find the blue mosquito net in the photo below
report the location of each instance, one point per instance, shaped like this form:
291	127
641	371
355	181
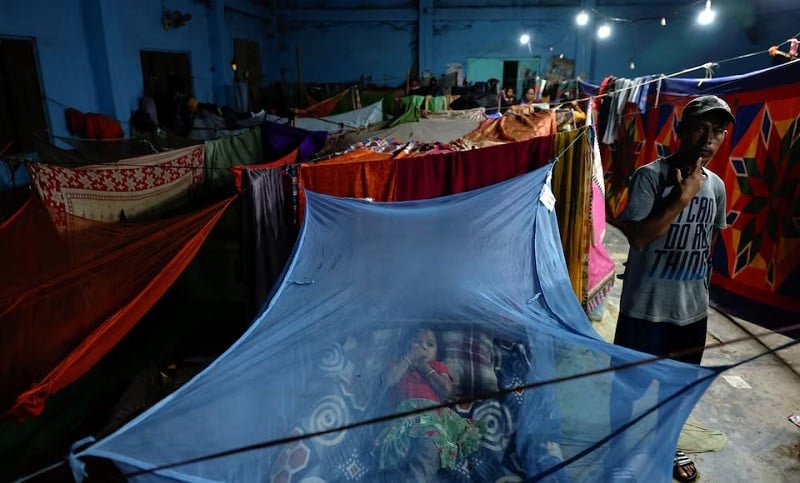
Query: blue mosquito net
308	393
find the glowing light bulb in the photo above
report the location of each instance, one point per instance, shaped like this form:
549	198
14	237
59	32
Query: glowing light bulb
663	21
604	31
706	16
524	39
633	64
582	18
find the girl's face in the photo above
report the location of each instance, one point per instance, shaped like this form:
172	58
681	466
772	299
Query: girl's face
426	341
530	95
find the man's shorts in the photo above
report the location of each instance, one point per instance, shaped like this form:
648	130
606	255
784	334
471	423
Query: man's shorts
682	343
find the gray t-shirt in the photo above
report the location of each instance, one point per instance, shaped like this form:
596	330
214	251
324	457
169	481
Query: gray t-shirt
667	281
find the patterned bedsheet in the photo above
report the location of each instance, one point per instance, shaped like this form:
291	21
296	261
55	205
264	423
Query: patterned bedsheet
345	455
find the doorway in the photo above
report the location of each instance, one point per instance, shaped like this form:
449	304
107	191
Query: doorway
510	73
167	79
23	120
247	76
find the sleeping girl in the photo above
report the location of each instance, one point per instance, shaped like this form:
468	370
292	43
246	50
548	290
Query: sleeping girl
419	445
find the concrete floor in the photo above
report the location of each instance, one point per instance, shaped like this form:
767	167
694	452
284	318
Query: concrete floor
763	445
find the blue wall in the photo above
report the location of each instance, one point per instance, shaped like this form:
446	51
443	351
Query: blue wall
258	27
88	50
89	57
129	30
356	40
63	55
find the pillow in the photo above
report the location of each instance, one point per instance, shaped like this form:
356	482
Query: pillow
469	355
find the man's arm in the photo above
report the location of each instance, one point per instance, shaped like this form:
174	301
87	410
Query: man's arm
642	232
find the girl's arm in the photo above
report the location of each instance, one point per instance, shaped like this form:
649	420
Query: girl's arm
397	370
440	382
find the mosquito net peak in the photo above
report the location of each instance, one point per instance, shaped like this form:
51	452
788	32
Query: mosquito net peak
434	340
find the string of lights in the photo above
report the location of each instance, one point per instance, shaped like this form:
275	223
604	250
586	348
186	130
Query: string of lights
705	16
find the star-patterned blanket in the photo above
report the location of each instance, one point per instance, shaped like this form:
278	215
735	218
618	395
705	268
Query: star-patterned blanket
757	257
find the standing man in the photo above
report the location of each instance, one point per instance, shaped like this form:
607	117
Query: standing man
675	207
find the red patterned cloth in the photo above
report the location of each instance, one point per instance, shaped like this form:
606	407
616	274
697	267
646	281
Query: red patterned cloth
135	188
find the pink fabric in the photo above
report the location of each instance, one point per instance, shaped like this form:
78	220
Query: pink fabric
601	266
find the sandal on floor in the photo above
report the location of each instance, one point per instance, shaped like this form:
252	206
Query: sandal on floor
682	462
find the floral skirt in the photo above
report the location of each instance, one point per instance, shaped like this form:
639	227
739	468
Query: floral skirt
454	437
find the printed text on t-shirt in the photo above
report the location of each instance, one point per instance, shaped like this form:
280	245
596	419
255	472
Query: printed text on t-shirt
684	255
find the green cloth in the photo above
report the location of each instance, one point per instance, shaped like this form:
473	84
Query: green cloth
412	107
229	151
437	104
369	98
695	438
455	437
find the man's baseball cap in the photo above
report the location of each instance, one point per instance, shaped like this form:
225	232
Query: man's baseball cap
705	104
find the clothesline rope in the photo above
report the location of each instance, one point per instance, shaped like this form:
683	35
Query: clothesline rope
660	77
124	165
707	66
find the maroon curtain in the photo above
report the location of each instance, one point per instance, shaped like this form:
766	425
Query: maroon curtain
448	173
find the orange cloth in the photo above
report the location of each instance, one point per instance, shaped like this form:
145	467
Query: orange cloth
520	123
69	296
290	158
361	173
322	108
